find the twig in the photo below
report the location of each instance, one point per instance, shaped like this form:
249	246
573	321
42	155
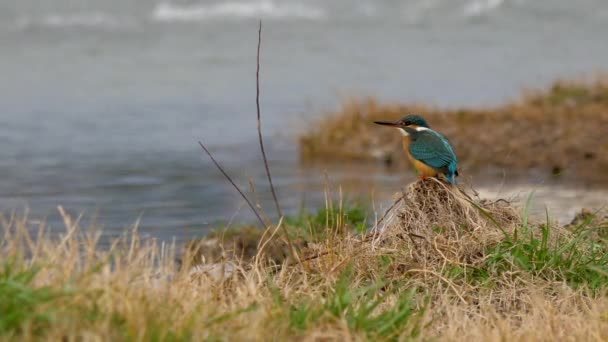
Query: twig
257	103
233	184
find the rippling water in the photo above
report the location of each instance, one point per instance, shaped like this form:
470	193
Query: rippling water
102	102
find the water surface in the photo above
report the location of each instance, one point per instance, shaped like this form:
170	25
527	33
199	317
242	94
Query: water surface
102	102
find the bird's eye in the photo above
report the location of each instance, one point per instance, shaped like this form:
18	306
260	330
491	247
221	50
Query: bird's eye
402	123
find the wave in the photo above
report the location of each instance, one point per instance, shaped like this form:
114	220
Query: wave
168	11
480	7
96	20
417	11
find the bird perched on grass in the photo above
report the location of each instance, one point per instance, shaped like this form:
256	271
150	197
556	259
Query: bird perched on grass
429	151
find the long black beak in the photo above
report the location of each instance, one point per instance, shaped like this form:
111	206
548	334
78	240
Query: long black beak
387	123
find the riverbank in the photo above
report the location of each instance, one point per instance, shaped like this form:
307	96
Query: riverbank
438	265
557	133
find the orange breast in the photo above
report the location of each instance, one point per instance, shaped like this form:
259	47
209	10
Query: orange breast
423	169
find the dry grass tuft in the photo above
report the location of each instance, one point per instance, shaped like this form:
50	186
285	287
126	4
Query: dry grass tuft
242	244
434	224
441	225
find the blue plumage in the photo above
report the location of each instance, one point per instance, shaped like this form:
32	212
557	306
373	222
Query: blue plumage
431	152
434	150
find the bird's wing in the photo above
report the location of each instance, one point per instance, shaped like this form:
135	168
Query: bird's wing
433	149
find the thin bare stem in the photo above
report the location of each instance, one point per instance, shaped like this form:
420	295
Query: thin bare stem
257	102
233	184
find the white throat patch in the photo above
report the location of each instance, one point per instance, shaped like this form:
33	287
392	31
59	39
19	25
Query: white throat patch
403	132
421	129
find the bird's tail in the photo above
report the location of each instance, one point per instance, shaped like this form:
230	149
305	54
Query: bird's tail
451	174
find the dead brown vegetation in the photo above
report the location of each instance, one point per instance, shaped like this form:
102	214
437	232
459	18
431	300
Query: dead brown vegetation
433	264
433	229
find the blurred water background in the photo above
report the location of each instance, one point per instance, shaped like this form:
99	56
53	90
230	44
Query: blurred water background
102	102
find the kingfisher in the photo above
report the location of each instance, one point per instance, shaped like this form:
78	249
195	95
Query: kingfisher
429	151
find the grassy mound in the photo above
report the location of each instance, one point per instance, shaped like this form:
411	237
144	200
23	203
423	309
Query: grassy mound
555	132
441	225
456	249
438	265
